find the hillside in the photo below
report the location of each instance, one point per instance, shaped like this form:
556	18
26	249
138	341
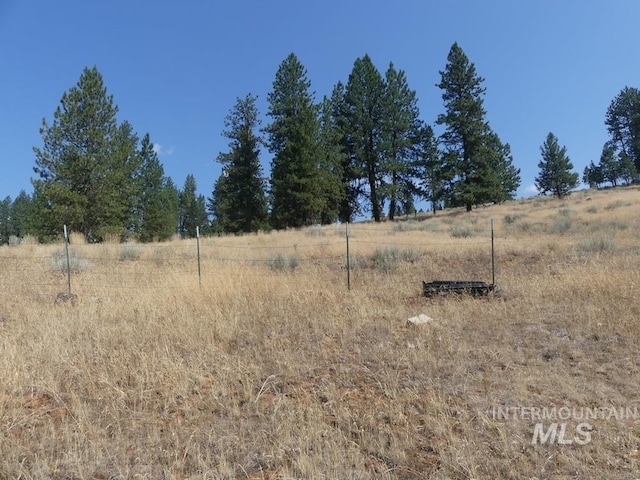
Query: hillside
267	366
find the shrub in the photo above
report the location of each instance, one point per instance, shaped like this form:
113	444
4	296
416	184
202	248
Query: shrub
356	261
130	251
597	244
511	218
282	262
77	263
416	226
616	204
314	231
561	225
386	259
592	209
461	231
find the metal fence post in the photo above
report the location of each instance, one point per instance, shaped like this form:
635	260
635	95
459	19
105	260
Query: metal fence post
198	247
348	259
66	249
493	258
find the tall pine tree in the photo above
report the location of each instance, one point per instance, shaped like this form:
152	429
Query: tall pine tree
292	137
85	166
239	203
401	131
623	124
556	170
192	209
21	210
331	157
364	116
477	164
351	184
5	219
156	209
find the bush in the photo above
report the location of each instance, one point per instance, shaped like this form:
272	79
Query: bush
592	209
387	260
511	218
283	262
616	204
597	244
461	231
561	225
416	226
130	251
77	263
356	261
314	231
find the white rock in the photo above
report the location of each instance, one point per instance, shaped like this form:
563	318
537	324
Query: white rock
420	319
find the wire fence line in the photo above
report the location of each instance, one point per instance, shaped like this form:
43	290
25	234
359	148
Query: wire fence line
131	267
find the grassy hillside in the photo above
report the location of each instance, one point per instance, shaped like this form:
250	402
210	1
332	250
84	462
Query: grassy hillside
268	367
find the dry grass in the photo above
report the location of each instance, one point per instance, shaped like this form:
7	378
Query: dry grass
262	373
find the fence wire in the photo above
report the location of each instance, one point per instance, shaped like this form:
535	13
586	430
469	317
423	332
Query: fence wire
131	267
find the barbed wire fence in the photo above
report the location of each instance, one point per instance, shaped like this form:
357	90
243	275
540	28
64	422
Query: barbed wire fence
101	269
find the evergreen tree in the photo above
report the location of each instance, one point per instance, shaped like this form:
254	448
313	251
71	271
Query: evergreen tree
170	200
239	203
292	139
330	189
5	220
351	184
623	123
21	209
627	169
592	175
428	165
502	177
475	158
609	165
155	209
192	208
401	127
556	175
364	119
85	165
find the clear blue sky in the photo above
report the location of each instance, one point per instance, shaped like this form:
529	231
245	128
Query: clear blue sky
175	69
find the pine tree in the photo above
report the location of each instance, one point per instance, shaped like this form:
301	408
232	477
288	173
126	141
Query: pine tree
556	175
627	169
292	137
502	177
155	211
592	175
351	183
401	127
475	158
364	118
192	208
623	124
610	168
5	219
20	212
239	203
85	166
330	189
428	167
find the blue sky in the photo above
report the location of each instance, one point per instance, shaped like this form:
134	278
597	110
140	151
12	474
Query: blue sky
175	69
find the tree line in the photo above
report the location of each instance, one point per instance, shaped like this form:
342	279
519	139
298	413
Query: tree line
363	148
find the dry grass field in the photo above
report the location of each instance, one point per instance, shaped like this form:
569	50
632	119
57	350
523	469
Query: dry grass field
267	367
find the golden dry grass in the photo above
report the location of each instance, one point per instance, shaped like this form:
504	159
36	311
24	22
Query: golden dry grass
269	368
